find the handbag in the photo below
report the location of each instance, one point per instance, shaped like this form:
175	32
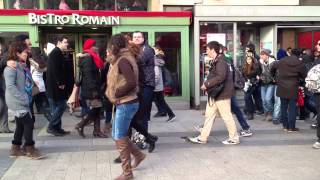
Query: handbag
215	91
35	90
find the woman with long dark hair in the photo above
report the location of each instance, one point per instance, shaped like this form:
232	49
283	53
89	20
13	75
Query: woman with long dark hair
122	91
250	71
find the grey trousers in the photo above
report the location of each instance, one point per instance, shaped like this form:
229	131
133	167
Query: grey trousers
3	114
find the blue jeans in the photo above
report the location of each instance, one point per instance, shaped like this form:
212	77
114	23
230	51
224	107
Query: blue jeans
276	108
236	110
267	93
57	108
123	117
288	113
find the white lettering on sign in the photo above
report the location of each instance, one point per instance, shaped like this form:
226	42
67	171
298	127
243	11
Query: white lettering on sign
73	19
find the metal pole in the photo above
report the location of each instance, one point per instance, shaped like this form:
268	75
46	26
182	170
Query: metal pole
235	44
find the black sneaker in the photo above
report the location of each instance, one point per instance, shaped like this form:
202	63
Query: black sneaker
171	118
63	132
276	122
160	114
54	132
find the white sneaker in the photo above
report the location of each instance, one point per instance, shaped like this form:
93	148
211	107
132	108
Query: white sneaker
230	142
196	140
316	145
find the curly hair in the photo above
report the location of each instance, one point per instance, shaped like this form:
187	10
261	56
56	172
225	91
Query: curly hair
16	47
120	41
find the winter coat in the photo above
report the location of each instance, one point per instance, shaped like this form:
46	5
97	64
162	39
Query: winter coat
252	77
159	63
290	71
147	62
56	75
115	80
90	77
221	74
16	95
266	76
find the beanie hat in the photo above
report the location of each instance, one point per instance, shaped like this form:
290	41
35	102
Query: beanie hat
88	44
265	51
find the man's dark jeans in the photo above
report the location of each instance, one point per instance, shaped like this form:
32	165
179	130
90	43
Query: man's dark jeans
24	128
146	105
57	108
162	104
236	110
288	113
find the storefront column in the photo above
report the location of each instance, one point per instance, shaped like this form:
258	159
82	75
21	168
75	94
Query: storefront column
196	87
235	44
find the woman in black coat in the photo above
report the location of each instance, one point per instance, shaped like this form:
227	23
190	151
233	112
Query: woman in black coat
250	71
90	67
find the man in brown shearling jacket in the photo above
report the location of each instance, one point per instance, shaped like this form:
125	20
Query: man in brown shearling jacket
222	103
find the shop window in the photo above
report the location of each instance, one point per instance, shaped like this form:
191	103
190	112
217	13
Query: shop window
220	32
170	43
62	4
116	5
108	5
309	2
177	8
6	38
131	5
22	4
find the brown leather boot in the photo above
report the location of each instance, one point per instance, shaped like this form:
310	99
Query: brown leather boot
124	147
80	126
96	128
16	151
33	153
137	154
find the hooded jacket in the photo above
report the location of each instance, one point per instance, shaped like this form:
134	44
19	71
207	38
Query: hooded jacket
290	71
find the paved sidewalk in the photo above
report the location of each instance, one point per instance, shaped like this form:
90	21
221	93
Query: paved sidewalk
269	154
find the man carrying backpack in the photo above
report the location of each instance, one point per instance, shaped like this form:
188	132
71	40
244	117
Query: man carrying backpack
313	84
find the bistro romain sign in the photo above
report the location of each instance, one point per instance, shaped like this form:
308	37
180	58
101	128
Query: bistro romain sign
73	19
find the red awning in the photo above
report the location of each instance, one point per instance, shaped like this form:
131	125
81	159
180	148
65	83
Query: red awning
13	12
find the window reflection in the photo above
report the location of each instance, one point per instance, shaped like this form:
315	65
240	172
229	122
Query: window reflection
170	43
23	4
6	38
62	4
116	5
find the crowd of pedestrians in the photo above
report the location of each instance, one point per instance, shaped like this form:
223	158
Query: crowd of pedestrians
123	85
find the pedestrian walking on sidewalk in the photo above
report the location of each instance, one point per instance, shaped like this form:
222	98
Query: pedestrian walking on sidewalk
90	66
159	85
56	86
19	95
220	88
122	90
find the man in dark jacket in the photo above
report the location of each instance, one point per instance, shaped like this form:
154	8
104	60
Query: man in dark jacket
219	73
290	71
56	84
147	61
